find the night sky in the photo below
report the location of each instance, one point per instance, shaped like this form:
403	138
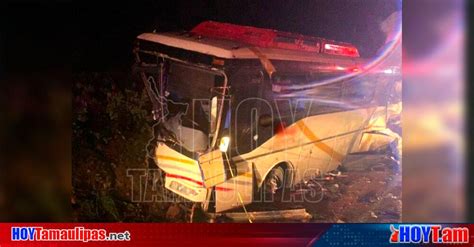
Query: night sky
105	33
42	36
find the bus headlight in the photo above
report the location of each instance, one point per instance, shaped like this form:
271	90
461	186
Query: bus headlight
224	144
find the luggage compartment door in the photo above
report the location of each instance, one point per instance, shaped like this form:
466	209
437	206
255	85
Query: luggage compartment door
213	168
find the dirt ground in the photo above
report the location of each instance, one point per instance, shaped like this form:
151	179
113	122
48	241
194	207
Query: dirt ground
363	196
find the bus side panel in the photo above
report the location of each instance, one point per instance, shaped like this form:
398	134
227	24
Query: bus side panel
313	145
235	192
183	175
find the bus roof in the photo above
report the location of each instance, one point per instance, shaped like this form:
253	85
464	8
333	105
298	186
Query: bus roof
231	49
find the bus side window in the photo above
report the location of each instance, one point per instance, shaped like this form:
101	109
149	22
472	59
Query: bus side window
248	104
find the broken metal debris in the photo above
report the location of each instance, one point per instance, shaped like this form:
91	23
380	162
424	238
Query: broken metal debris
373	215
369	162
294	215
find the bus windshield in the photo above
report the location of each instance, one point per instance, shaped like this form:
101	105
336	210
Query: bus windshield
192	102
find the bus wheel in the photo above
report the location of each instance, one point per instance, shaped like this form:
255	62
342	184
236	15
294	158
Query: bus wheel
273	184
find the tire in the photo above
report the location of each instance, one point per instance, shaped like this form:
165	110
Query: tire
272	187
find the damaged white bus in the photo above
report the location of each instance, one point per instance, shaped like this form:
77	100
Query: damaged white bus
243	112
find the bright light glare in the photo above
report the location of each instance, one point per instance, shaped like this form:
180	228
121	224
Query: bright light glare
388	71
224	144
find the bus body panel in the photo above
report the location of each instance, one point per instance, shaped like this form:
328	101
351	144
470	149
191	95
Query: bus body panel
182	174
235	192
311	142
310	148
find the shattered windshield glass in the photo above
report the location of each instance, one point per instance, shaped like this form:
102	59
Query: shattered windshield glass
190	117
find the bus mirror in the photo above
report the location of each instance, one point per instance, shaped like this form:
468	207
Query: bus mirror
265	120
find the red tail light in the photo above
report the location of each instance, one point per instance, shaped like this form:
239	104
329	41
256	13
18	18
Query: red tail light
343	50
269	38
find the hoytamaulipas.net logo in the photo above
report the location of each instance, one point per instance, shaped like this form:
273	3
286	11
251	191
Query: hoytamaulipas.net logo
435	234
75	234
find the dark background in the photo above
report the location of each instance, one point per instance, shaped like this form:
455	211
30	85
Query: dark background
39	35
44	45
104	35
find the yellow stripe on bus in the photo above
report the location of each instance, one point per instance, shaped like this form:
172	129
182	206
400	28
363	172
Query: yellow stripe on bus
319	144
183	161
